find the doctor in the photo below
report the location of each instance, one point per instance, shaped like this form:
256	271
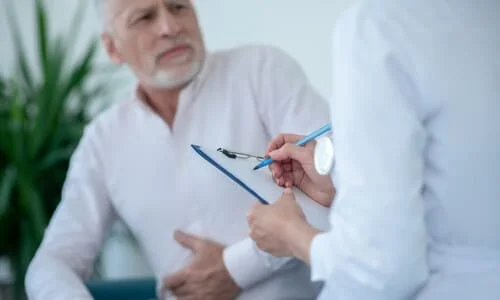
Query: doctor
417	172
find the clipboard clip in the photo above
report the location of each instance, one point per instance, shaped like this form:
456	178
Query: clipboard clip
240	155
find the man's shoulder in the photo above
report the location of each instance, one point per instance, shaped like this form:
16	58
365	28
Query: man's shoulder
254	55
111	119
257	62
253	50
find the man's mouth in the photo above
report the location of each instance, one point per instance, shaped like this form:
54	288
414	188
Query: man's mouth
175	52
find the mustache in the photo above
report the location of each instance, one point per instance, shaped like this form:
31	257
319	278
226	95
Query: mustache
172	45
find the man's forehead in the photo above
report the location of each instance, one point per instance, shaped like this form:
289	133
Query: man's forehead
122	9
137	4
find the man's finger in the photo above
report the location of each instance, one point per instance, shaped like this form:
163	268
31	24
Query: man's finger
184	290
187	297
187	240
176	280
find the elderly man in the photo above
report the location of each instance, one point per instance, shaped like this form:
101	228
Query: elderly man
134	162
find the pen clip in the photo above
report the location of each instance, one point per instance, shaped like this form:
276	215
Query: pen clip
241	155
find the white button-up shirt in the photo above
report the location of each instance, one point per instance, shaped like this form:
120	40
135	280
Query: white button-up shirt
131	165
416	115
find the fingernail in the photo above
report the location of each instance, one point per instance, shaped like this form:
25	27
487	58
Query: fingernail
288	190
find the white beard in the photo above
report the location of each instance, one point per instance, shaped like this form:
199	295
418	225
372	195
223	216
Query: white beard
171	79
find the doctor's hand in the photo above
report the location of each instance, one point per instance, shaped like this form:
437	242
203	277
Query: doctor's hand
281	228
206	277
294	165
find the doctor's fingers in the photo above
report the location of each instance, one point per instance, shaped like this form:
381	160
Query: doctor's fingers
302	155
281	140
254	212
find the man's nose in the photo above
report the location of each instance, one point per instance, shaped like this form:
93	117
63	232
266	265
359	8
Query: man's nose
168	25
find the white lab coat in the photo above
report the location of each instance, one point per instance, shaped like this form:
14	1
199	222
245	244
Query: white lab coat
416	117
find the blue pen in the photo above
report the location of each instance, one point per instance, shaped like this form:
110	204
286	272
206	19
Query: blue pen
300	142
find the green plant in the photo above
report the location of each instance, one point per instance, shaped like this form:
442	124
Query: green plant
42	117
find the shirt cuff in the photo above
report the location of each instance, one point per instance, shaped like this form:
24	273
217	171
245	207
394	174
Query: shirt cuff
248	265
321	258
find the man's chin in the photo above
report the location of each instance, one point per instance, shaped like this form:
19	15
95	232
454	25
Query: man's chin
171	80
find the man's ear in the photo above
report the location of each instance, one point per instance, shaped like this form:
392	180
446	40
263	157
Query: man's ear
110	46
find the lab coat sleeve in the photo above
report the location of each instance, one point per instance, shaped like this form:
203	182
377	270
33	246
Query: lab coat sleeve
65	258
376	248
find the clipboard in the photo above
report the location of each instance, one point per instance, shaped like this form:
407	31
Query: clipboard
260	184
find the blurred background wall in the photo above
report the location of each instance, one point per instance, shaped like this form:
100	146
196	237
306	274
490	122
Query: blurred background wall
302	28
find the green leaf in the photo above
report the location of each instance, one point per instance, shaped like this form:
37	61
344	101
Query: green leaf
6	133
53	101
2	89
42	35
87	97
55	157
17	123
74	28
31	204
76	79
29	243
21	58
68	132
7	184
41	121
56	61
82	69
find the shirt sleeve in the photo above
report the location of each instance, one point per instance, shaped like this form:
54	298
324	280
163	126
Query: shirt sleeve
65	258
287	103
376	248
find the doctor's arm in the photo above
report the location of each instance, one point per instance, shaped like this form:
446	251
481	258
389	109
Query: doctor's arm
287	103
376	248
65	258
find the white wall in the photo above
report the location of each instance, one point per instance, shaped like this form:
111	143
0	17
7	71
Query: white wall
303	28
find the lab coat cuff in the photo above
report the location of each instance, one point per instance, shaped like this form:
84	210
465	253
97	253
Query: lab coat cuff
320	257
